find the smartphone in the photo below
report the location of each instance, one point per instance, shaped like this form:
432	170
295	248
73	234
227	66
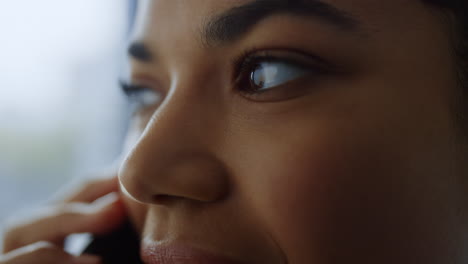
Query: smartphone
119	247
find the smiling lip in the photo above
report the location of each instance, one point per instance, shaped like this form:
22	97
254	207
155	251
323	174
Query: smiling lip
155	253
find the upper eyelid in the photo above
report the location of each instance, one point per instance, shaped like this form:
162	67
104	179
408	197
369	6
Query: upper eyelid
277	59
251	56
292	57
285	55
128	85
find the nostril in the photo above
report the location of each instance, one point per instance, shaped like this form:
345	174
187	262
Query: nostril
185	178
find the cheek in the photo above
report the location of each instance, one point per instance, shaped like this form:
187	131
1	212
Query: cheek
331	200
313	193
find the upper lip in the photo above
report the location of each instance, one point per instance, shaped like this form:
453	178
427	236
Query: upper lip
179	253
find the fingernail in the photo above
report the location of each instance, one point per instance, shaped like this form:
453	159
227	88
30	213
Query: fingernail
87	259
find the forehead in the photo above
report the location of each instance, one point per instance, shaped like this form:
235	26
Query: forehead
180	14
195	12
167	24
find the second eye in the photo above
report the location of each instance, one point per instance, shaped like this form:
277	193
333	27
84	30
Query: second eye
141	97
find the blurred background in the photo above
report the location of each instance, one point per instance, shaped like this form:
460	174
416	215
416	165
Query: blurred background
62	114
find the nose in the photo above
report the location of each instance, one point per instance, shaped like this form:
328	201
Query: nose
174	157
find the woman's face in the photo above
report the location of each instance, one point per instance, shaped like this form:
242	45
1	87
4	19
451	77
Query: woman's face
276	131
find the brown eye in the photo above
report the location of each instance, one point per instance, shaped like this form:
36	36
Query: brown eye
270	74
278	75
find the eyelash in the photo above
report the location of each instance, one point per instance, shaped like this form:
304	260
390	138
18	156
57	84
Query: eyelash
244	65
250	59
133	94
130	89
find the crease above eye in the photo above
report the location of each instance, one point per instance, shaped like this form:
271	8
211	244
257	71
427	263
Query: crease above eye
268	75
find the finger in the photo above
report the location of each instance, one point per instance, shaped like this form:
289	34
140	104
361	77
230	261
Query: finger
100	217
44	252
88	190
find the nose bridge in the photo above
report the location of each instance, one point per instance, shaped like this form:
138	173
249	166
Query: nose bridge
174	156
186	119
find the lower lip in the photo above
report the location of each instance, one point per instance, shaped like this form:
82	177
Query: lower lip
179	254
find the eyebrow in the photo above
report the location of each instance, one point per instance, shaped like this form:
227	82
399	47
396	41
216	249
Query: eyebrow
234	23
238	21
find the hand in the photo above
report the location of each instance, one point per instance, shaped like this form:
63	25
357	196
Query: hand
93	207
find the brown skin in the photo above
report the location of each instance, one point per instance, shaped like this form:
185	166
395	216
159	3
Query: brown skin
360	165
86	207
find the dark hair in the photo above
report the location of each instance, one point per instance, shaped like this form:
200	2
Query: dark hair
456	12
